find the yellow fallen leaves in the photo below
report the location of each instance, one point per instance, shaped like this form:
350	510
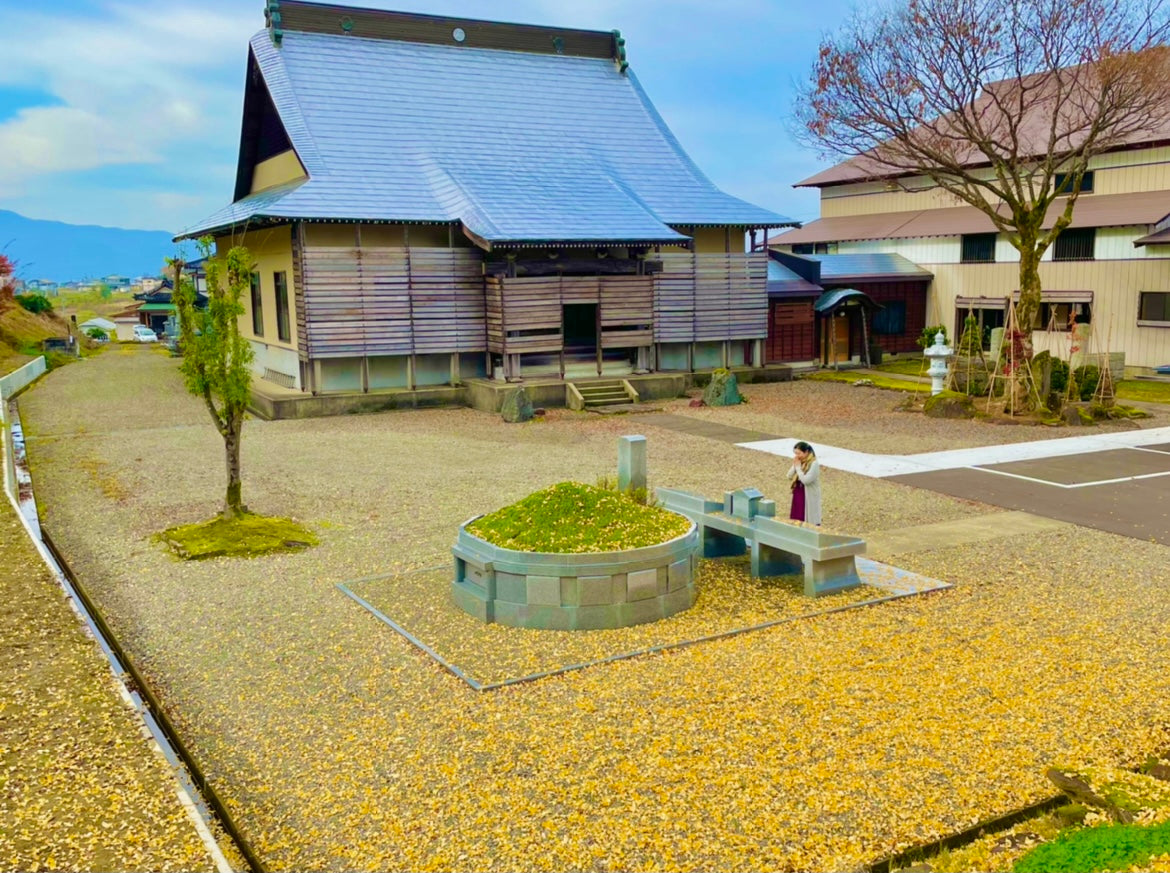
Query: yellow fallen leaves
728	600
80	787
818	744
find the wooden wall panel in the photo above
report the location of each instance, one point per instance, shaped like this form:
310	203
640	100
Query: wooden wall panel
298	246
792	332
708	297
525	314
392	300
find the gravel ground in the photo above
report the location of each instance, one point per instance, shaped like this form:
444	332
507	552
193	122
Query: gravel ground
820	744
867	420
728	600
80	786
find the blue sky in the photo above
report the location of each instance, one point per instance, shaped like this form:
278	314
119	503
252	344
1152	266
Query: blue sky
127	114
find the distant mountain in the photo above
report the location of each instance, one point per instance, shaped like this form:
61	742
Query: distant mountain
67	252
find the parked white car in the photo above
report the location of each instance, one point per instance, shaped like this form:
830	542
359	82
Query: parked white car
143	334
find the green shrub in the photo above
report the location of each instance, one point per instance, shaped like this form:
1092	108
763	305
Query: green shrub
53	360
97	333
971	340
1087	378
574	518
1110	847
1059	377
926	338
35	302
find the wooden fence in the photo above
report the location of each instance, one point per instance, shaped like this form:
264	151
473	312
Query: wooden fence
711	297
389	301
386	300
525	314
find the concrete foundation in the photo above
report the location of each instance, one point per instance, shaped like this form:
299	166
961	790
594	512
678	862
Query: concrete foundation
273	402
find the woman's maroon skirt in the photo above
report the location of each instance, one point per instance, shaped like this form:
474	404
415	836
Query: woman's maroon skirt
797	512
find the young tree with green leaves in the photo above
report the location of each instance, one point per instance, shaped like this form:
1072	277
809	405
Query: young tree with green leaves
1000	103
216	357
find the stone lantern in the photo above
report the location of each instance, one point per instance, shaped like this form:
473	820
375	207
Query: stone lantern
938	354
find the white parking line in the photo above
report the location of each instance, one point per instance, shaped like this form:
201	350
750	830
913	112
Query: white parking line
1072	485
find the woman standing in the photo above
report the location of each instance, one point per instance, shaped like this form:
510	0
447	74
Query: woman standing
805	474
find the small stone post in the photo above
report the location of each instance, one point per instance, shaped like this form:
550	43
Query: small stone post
631	462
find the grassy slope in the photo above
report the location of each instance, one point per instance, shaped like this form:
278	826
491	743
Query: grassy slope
21	333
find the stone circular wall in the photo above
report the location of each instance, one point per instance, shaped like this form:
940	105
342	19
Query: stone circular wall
574	591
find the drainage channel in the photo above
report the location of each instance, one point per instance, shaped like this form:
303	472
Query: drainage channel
925	852
197	793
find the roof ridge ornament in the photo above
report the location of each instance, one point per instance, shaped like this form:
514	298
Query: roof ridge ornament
272	21
619	52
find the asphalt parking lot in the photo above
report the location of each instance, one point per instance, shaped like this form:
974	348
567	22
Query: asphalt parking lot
1121	490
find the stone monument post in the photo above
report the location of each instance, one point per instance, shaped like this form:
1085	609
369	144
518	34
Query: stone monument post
631	462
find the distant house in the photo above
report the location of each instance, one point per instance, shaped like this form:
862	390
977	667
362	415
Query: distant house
433	200
928	258
125	322
157	306
812	320
102	323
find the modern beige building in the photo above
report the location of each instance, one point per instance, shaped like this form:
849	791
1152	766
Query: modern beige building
1110	268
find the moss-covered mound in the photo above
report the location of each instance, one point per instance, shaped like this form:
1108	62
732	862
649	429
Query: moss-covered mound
244	537
571	517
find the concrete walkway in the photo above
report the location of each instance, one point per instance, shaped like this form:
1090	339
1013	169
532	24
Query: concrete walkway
884	466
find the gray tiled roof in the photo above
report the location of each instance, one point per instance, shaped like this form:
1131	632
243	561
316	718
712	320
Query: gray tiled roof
836	268
520	147
785	282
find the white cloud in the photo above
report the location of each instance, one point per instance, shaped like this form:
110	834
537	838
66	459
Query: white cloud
132	84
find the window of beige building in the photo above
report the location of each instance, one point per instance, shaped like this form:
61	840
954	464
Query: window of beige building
978	248
1075	244
1062	316
825	248
1063	183
1154	308
257	307
281	285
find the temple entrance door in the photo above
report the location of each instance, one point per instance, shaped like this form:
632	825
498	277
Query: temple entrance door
580	327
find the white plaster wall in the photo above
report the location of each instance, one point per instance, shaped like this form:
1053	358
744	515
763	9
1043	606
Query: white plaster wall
278	358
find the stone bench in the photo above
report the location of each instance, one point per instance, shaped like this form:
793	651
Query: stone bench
777	547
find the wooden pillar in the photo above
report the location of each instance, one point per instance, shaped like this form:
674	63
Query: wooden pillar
410	372
597	337
456	373
317	376
365	375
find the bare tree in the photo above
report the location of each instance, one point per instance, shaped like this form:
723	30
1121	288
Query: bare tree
992	100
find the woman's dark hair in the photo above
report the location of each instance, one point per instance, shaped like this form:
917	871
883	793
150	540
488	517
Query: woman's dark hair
805	447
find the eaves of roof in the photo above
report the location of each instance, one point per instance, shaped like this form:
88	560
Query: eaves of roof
1091	210
1158	237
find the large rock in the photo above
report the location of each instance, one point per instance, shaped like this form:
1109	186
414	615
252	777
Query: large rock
949	404
722	390
517	406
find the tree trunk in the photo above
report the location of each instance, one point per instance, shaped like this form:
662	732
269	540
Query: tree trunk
1029	303
233	504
